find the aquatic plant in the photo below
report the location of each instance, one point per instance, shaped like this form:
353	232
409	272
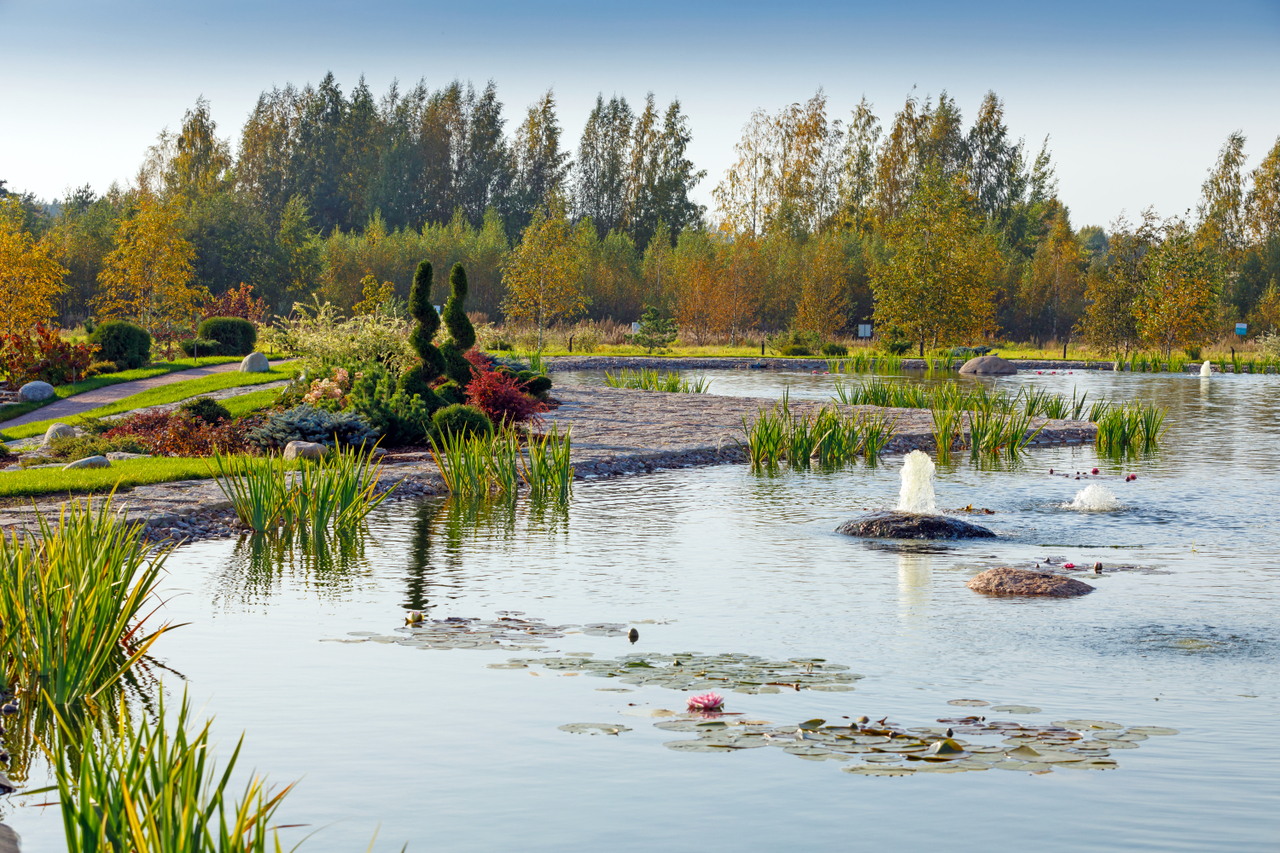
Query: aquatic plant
72	601
711	701
257	487
877	432
646	379
766	438
548	469
157	789
946	428
464	462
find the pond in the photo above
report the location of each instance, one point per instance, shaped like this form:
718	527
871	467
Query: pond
435	748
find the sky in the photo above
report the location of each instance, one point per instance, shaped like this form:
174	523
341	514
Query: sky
1136	98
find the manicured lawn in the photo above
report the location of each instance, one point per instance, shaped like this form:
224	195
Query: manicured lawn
124	474
15	410
162	395
749	351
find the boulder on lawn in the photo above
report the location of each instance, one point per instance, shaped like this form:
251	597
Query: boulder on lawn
57	431
255	362
34	392
304	450
1007	581
89	462
988	365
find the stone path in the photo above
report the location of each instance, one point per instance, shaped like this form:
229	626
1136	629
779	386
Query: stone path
81	403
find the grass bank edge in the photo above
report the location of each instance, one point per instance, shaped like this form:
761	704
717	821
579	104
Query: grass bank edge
123	475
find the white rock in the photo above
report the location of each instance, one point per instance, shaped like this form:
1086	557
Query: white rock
58	430
120	455
255	362
34	392
304	450
89	462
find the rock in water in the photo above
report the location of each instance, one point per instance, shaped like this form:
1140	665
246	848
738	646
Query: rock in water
304	450
89	462
255	362
912	525
34	392
988	365
1007	581
57	431
10	841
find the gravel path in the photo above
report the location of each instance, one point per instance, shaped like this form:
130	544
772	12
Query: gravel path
81	403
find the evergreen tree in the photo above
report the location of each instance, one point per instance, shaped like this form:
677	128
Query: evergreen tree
462	334
417	380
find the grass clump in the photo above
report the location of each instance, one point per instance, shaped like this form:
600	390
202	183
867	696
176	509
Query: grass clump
651	380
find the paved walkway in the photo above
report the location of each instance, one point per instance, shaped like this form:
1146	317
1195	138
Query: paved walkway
81	403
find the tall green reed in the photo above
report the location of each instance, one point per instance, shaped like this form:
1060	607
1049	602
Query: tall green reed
548	469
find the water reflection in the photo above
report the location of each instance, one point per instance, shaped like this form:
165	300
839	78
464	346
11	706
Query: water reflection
331	564
915	573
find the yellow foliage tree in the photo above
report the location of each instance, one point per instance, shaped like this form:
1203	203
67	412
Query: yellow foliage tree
375	295
1177	305
822	276
937	283
543	273
148	274
30	279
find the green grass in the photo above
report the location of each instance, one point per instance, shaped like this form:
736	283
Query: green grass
17	410
128	472
162	395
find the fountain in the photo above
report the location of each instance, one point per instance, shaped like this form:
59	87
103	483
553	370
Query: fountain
1206	369
916	516
1094	498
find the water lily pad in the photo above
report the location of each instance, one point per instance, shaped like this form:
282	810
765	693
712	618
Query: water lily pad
1111	737
594	728
1091	764
969	703
882	758
1016	709
1024	752
1025	766
614	690
650	712
699	746
806	750
876	770
1157	731
1101	725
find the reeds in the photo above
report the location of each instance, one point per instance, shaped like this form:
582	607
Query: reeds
946	429
548	470
72	602
157	789
1127	428
480	465
646	379
828	435
463	460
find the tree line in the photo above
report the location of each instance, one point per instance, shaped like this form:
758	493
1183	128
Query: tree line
937	230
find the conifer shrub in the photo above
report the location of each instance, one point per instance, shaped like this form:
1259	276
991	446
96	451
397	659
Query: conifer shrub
206	409
400	418
463	335
235	335
462	420
192	347
835	350
125	344
417	380
307	423
451	393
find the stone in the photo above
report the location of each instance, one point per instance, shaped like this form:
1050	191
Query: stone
988	365
89	462
120	456
34	392
304	450
1007	581
894	524
57	431
255	362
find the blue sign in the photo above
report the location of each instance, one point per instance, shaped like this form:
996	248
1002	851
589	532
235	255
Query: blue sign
1242	329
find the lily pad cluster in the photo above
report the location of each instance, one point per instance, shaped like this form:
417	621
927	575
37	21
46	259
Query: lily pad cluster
739	673
881	748
509	631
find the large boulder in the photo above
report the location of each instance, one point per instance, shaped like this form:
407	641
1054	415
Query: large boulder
988	365
89	462
1007	581
255	362
58	430
34	392
304	450
894	524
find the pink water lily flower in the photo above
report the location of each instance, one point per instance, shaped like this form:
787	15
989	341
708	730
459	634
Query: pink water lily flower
706	702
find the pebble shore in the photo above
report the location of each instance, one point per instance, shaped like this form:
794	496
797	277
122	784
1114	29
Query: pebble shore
615	432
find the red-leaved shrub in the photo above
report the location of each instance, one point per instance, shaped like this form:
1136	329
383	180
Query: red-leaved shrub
480	360
181	434
499	396
43	355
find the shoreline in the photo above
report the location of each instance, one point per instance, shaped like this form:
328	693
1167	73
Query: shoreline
565	363
616	432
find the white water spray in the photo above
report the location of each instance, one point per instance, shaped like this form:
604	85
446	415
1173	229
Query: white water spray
1205	369
1094	498
917	484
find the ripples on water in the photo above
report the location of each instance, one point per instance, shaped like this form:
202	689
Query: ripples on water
447	754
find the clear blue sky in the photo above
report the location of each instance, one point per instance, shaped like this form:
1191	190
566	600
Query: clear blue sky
1137	97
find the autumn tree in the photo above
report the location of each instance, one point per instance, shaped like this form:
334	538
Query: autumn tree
1111	290
1052	287
936	281
30	278
542	273
148	275
822	272
1177	305
1262	204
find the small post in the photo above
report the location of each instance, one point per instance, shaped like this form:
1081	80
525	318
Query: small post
1064	352
571	344
762	349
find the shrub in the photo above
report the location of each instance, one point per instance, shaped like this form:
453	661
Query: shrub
235	335
450	393
398	417
43	356
180	433
100	368
307	423
462	335
897	347
418	378
238	303
501	345
655	331
81	447
206	409
538	385
330	392
127	345
502	398
795	349
192	347
1193	353
462	420
835	350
